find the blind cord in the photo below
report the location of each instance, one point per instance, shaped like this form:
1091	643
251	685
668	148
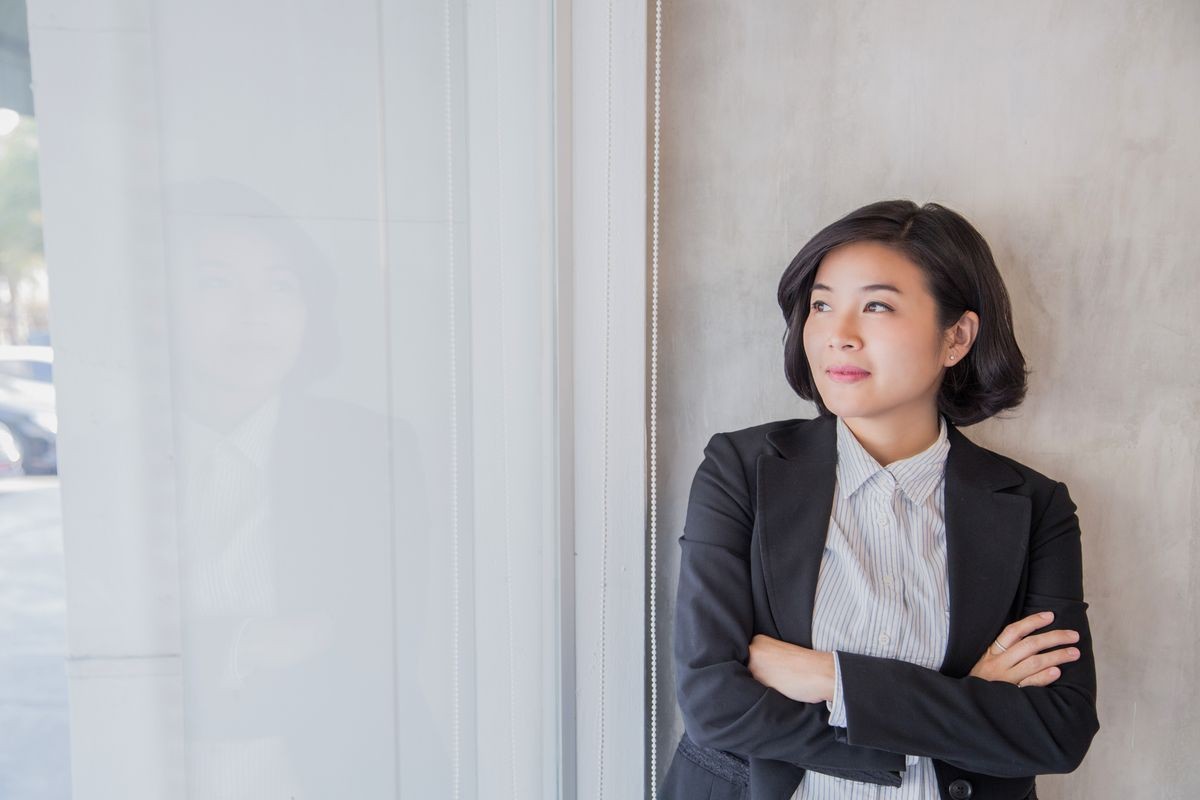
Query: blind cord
653	594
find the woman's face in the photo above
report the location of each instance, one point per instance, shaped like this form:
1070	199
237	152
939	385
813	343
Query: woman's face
239	314
891	334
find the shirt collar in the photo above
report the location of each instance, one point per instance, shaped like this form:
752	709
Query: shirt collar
251	438
916	475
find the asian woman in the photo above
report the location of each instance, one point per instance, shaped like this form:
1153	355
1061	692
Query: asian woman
871	605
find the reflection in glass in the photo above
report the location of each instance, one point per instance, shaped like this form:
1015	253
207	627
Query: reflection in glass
307	252
284	535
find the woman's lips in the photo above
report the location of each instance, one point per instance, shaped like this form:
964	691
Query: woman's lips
847	374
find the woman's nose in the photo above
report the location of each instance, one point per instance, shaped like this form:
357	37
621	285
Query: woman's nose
843	335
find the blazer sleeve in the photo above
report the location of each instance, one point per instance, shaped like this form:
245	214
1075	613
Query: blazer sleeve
991	727
723	706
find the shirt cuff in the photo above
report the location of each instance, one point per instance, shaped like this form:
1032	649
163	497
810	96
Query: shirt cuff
837	706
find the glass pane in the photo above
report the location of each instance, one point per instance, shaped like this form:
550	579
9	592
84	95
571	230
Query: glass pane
35	757
312	433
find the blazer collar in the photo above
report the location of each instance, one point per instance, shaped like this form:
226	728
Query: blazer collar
987	534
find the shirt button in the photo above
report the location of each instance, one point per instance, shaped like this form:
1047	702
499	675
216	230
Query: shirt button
887	580
884	638
882	520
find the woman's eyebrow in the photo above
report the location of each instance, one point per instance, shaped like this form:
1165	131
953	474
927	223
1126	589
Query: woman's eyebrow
871	287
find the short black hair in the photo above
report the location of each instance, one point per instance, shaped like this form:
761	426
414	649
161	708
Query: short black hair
961	275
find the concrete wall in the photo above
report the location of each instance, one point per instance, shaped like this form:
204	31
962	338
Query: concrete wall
1069	134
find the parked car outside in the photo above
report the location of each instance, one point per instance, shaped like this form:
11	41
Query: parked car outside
27	405
10	454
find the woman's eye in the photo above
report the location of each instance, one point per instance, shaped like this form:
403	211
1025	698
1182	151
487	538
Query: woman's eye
885	307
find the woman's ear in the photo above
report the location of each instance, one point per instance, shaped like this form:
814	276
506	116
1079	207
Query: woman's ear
960	336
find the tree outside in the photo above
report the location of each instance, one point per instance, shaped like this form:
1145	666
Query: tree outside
24	297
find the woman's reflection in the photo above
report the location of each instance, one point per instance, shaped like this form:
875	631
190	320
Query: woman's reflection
285	519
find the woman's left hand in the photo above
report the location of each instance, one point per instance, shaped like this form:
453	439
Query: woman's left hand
804	675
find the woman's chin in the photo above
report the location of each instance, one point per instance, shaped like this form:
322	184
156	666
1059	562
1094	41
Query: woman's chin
840	404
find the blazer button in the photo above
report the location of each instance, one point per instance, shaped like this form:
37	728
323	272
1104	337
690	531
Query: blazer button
960	789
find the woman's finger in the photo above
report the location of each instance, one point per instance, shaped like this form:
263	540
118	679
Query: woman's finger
1037	643
1041	662
1015	631
1043	678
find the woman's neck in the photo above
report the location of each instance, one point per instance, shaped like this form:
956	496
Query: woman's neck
892	439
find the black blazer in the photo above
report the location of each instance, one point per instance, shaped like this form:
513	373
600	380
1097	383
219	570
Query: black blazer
751	552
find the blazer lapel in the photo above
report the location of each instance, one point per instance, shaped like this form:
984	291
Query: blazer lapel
987	533
795	499
987	536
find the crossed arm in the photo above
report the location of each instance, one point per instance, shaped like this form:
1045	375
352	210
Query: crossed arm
892	707
723	705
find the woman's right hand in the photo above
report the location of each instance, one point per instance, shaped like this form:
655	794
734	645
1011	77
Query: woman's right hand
1023	662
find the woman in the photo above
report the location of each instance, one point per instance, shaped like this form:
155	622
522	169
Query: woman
862	596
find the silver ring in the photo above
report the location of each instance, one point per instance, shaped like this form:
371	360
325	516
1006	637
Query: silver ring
1002	647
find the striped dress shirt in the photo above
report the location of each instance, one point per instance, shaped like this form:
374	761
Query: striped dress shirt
883	588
